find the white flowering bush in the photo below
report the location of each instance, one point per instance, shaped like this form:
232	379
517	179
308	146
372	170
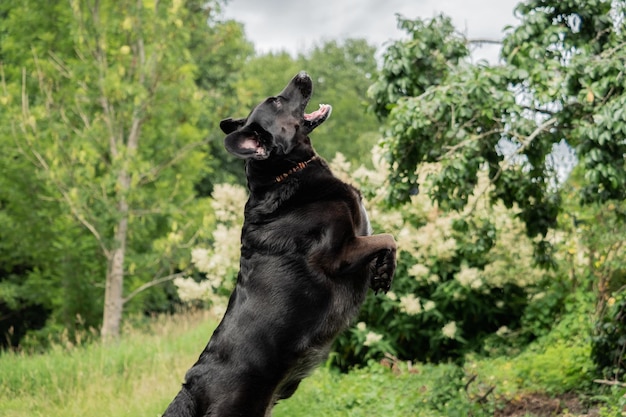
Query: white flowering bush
218	262
461	277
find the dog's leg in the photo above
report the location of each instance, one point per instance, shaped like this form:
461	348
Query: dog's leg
378	252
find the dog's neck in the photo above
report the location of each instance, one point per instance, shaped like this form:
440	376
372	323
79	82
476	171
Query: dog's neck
299	167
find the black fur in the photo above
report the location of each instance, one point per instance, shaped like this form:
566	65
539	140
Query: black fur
306	265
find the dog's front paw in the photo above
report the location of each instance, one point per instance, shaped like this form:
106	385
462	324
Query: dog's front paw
382	271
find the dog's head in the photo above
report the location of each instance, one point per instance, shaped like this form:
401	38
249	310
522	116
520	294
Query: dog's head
277	125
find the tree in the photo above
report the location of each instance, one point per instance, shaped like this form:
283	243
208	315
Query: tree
560	82
109	115
47	263
342	72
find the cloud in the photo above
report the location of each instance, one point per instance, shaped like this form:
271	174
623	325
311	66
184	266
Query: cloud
297	25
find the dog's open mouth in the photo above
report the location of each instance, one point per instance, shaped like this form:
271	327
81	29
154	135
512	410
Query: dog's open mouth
253	146
316	118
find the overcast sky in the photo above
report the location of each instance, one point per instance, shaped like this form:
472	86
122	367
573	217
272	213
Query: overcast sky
297	25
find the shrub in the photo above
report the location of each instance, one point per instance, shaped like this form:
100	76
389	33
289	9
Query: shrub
609	339
460	278
217	265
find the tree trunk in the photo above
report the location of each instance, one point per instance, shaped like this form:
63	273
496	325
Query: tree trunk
114	287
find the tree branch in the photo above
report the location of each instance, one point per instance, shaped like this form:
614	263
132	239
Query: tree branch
525	144
609	382
182	152
536	132
454	148
151	284
29	122
481	41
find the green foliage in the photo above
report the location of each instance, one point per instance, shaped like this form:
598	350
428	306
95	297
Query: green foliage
557	369
137	376
46	261
457	282
594	255
76	83
142	373
609	339
561	81
411	66
341	71
560	360
105	114
423	390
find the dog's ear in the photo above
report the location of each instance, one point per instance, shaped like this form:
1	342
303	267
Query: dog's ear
230	125
245	144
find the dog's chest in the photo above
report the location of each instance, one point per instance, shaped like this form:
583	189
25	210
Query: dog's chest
296	229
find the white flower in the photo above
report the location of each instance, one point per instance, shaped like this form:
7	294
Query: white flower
410	304
190	290
538	296
392	295
446	249
372	338
468	277
429	305
449	330
434	279
476	284
342	168
228	202
200	258
502	331
419	271
361	326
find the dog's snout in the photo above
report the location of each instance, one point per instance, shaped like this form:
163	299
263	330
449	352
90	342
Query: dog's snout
304	82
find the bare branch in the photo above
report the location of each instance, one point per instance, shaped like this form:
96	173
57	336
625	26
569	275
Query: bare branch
542	127
609	382
73	208
536	110
454	148
151	284
155	171
482	41
485	395
525	144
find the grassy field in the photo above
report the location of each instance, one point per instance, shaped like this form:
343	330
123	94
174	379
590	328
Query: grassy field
141	374
136	377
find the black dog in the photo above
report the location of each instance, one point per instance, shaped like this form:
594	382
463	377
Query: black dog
307	261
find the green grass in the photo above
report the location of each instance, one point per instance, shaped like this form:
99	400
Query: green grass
365	392
136	377
140	375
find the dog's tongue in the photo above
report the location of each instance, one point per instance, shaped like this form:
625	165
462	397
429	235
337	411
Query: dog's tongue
249	144
317	113
253	145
